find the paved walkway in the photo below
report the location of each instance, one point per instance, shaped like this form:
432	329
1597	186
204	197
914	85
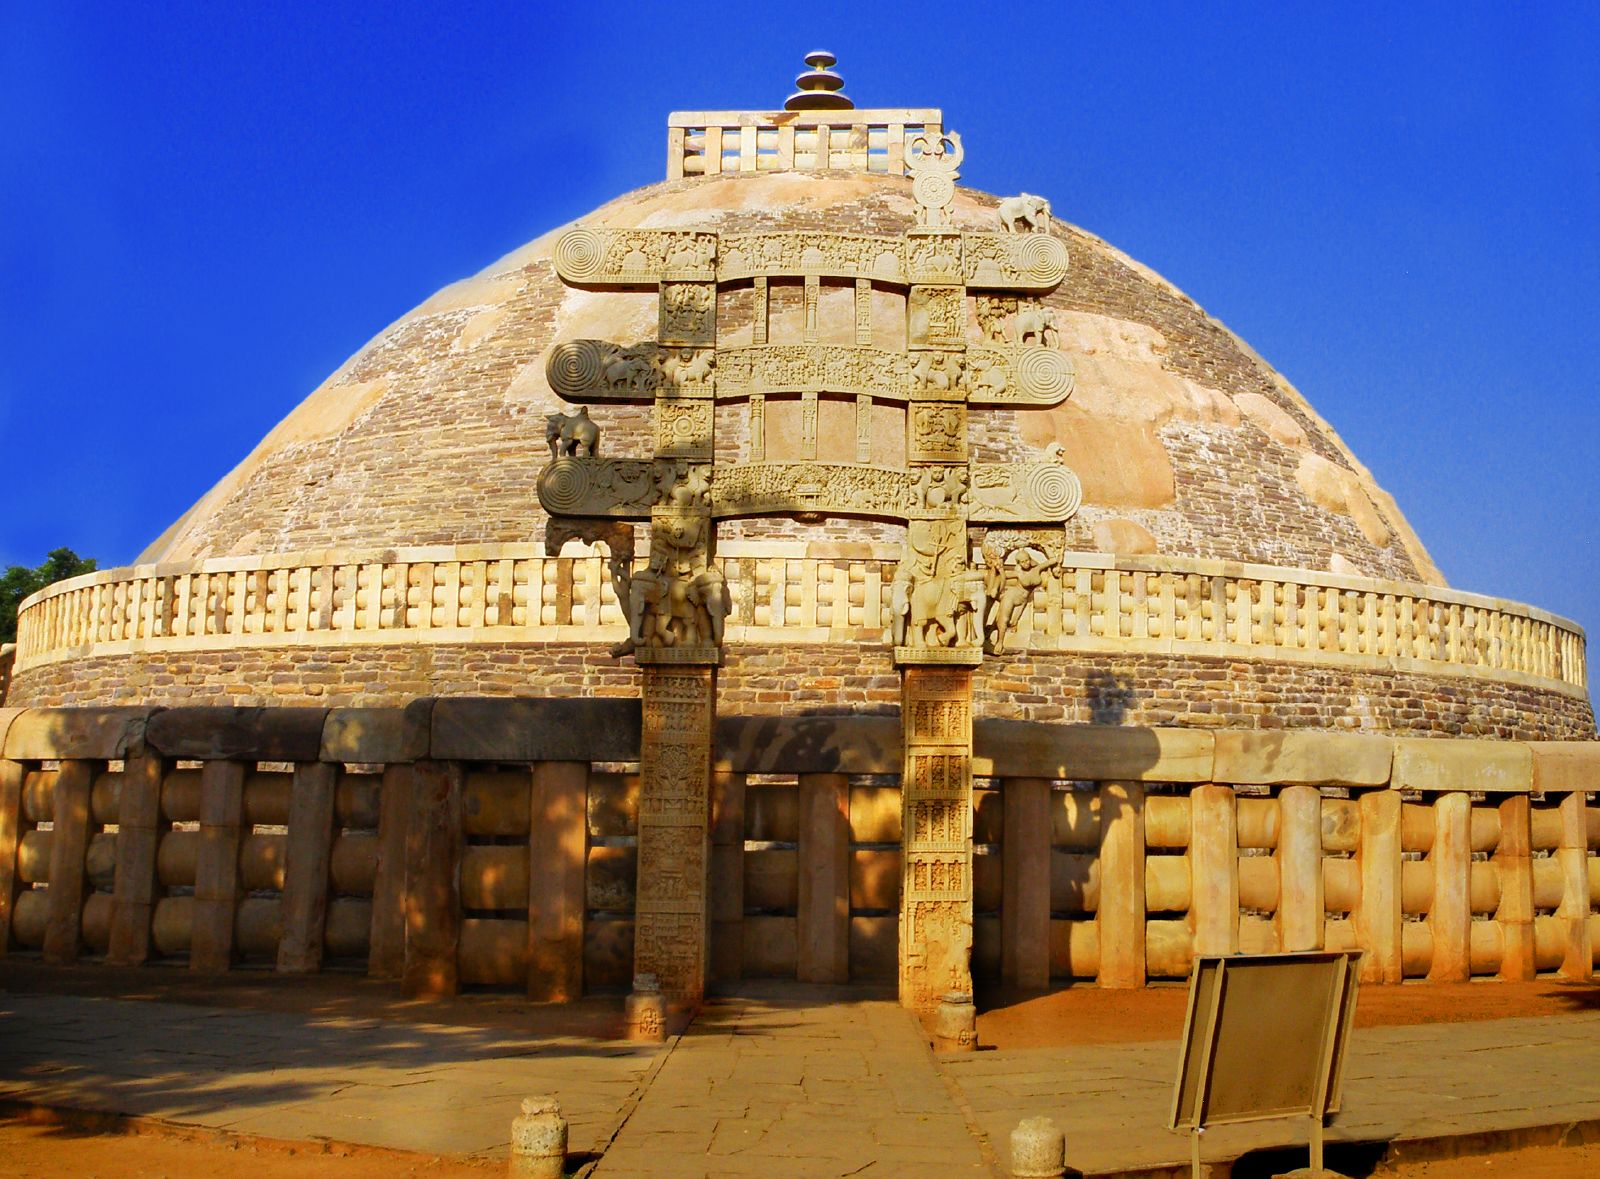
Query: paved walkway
809	1082
407	1086
781	1081
1426	1081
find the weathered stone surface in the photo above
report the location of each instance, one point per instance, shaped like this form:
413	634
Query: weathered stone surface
1123	536
1275	421
245	734
7	715
1017	749
378	735
1312	759
536	730
1498	767
1560	766
809	745
96	733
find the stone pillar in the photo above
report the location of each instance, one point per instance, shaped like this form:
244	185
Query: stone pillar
1301	905
1513	859
727	877
433	881
558	847
136	887
1120	915
824	906
69	841
1573	912
1378	915
1450	917
936	817
308	851
1213	869
1025	883
216	878
671	915
12	828
386	955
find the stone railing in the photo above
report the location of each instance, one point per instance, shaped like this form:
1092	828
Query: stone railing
515	594
494	842
706	143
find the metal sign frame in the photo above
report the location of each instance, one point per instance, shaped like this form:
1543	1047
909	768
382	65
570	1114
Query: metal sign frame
1264	1037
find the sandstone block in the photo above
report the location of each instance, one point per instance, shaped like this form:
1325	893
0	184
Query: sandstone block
1500	767
1123	537
1275	421
514	730
379	735
1566	766
238	733
93	733
1302	758
809	745
1006	748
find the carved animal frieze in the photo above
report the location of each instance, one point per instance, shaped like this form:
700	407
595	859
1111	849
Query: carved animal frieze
635	257
844	489
597	370
1025	262
1024	493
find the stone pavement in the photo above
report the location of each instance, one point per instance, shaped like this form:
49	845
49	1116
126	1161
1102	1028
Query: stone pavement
1401	1083
409	1086
802	1081
781	1080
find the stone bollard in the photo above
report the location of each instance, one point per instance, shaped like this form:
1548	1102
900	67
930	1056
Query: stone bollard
539	1140
955	1023
647	1010
1038	1150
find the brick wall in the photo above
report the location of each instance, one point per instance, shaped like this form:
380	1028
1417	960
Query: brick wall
842	679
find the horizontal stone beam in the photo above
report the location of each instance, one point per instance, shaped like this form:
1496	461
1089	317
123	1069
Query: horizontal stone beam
381	736
809	745
1445	764
1024	749
91	734
479	729
1302	759
239	733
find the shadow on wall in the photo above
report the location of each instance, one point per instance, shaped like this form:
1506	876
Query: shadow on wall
8	659
1109	698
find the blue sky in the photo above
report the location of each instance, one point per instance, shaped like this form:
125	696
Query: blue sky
205	208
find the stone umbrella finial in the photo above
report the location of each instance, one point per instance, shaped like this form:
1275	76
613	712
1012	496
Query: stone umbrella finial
820	89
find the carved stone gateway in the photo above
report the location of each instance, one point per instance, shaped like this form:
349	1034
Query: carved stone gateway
944	608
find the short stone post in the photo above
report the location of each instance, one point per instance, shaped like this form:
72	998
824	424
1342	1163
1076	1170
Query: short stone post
1214	864
558	849
1025	883
1038	1150
63	936
824	885
433	881
1450	915
539	1140
1121	915
955	1023
1577	960
1513	858
647	1010
1378	914
1299	855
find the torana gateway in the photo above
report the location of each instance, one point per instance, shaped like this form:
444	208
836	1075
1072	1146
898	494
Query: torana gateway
801	567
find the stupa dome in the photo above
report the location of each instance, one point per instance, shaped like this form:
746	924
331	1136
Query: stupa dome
1186	441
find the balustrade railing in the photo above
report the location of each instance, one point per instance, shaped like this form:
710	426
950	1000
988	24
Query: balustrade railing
514	593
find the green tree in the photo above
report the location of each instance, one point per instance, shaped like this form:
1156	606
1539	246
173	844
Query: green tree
19	581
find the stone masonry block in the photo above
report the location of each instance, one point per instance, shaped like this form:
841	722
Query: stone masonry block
1019	749
239	734
1302	759
515	730
89	733
1499	767
809	745
378	735
1563	767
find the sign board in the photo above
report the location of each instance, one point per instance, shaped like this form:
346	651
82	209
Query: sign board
1265	1038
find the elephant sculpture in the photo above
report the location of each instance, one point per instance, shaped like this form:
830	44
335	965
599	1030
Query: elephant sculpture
1039	323
1024	209
670	611
572	434
938	611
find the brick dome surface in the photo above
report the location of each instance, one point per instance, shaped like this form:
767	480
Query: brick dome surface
1187	443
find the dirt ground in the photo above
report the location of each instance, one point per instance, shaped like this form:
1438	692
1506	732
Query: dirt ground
1534	1162
1087	1015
